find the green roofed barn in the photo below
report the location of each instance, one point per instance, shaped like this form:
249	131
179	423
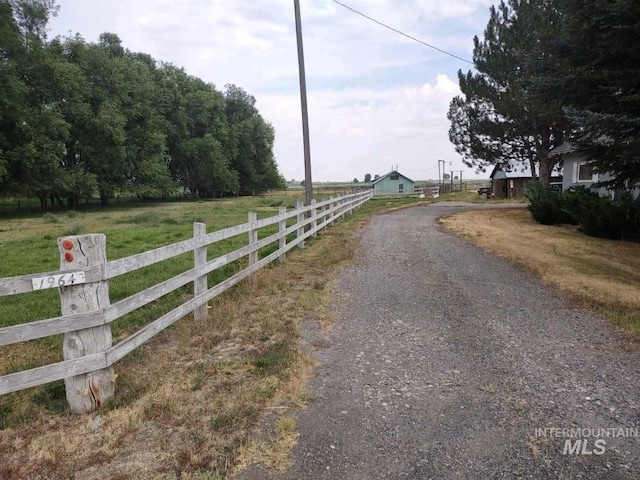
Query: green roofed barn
393	183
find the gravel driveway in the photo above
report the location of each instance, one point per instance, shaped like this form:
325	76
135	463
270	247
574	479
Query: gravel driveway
447	362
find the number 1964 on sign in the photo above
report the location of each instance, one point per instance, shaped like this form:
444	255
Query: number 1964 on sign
60	280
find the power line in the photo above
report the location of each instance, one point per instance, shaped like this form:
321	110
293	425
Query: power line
419	171
402	33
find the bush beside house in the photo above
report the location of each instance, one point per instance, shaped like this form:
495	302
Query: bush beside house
596	216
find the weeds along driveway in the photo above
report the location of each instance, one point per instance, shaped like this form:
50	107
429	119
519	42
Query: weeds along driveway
447	362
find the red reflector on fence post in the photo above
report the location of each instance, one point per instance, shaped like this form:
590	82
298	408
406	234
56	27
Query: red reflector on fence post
86	392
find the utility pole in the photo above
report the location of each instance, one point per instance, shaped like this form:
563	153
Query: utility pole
305	113
441	177
460	180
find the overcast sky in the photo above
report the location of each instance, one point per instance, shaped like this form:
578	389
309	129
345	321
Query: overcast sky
376	99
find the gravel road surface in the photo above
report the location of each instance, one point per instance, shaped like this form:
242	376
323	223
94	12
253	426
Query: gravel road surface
447	362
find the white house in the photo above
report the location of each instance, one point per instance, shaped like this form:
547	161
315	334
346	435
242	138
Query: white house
578	171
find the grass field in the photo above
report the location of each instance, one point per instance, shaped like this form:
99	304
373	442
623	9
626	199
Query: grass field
186	400
29	245
600	274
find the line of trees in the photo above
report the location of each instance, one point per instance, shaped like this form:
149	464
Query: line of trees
79	118
550	71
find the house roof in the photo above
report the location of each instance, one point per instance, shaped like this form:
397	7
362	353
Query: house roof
392	171
522	170
511	171
570	147
566	147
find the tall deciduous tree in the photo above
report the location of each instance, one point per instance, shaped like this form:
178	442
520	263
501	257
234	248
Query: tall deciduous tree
78	118
252	143
198	136
34	129
13	88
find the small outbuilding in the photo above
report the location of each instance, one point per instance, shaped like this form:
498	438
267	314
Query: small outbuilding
511	181
393	183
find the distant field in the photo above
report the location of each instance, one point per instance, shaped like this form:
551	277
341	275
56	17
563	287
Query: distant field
20	207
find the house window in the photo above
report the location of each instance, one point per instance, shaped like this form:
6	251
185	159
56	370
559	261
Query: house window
585	172
393	176
400	187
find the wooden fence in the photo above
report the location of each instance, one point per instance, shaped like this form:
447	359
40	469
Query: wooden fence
83	282
416	191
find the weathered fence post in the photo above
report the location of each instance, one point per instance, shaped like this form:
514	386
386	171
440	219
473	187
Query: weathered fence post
87	392
299	219
199	258
325	216
282	228
253	238
332	214
314	215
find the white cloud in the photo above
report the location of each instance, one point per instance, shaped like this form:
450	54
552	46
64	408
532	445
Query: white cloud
375	97
366	130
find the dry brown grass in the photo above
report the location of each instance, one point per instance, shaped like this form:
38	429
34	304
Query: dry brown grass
601	274
186	401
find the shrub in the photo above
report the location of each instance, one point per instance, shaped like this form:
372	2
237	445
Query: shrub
630	218
50	218
576	202
544	205
597	216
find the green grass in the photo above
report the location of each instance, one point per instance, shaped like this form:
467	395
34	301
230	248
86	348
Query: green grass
211	378
276	359
76	229
29	246
50	218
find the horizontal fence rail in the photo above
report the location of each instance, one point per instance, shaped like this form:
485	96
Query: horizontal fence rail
94	321
416	190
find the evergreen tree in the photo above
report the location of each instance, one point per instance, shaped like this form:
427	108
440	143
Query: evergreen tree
503	117
601	80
